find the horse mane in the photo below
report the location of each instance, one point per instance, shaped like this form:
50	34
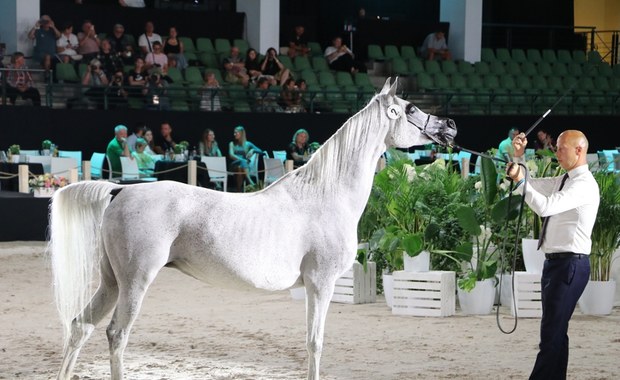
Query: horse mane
335	156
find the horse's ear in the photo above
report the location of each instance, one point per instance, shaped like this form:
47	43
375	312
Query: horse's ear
394	87
386	86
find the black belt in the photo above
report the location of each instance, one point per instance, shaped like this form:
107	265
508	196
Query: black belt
565	255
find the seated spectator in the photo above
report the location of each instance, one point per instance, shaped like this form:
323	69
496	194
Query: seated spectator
121	44
208	145
137	77
138	131
164	141
117	94
150	143
252	65
95	78
89	43
44	34
340	58
132	3
174	49
240	152
155	91
146	40
435	46
146	163
209	98
299	150
302	86
157	58
265	100
298	44
273	69
118	148
110	62
291	97
67	45
506	150
235	68
19	82
544	141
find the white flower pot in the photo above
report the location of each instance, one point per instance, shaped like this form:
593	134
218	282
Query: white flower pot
419	263
480	300
45	152
533	258
298	294
43	192
15	158
505	298
388	289
598	298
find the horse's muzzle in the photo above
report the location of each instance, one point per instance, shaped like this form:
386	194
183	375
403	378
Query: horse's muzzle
442	131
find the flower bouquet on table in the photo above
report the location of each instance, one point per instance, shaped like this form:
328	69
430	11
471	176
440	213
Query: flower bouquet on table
44	185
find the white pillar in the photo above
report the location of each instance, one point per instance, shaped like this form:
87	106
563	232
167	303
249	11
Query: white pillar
262	20
465	18
17	17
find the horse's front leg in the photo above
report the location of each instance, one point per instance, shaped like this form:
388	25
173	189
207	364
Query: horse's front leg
318	296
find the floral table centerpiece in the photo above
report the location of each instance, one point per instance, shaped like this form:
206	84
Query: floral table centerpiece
44	185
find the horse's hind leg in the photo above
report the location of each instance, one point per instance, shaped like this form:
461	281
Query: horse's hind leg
127	309
83	325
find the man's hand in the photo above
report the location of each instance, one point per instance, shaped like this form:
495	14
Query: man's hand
519	143
513	171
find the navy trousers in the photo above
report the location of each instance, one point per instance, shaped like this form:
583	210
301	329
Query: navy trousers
563	282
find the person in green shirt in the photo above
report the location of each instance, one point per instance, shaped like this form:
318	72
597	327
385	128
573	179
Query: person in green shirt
116	148
145	161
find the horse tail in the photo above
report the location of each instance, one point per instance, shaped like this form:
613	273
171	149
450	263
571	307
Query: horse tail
75	248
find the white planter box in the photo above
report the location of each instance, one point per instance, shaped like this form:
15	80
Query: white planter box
429	294
598	298
357	286
527	295
533	258
419	263
388	289
43	192
479	301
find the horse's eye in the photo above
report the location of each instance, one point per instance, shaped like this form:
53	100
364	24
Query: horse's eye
410	108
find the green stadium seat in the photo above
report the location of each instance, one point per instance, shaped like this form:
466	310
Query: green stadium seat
302	63
544	68
564	57
560	69
82	68
193	76
518	55
241	106
204	45
482	68
616	71
343	78
579	56
310	77
549	56
333	93
391	52
66	73
441	81
575	69
222	46
416	66
399	67
603	83
179	105
375	53
533	55
209	60
326	78
513	68
594	57
432	67
319	63
486	54
362	79
497	68
529	69
242	44
449	67
407	52
605	70
424	82
188	44
315	49
176	76
465	68
503	55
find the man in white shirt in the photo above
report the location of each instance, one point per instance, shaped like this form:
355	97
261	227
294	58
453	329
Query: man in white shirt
570	204
435	46
146	40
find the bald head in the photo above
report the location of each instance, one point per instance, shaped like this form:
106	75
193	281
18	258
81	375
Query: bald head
572	149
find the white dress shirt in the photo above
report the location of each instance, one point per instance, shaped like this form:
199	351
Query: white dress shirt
572	210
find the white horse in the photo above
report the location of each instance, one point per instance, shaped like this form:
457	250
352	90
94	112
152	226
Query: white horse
301	230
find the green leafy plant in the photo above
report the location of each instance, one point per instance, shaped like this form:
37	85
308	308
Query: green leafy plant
181	147
482	220
14	149
606	231
46	144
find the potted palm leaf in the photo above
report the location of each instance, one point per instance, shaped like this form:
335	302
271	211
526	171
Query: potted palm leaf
598	296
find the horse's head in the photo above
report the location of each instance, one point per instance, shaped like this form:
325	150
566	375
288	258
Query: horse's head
410	125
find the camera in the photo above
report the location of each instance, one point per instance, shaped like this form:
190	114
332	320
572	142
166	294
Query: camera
94	67
154	77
